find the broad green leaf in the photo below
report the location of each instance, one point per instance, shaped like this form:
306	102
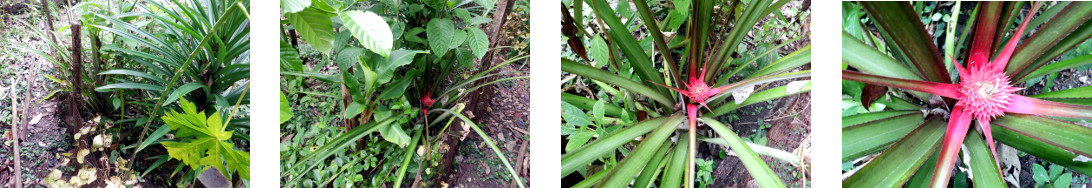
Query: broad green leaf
396	90
315	27
352	110
578	140
370	30
1039	173
393	133
182	91
478	41
203	142
397	59
348	57
1064	181
286	109
457	39
894	166
411	35
290	59
293	6
439	32
487	4
574	116
600	52
598	111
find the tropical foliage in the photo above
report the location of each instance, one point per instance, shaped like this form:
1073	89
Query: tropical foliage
125	63
643	90
399	69
990	84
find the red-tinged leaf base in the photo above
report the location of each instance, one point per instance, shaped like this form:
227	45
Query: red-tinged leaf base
958	125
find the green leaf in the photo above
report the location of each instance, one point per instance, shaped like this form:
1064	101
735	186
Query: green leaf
895	165
315	27
487	4
1039	173
121	72
573	115
182	91
155	136
983	168
604	76
204	142
352	110
758	169
867	138
578	140
458	40
293	6
1041	149
1064	181
149	87
396	90
907	32
286	110
397	59
370	30
290	59
479	42
600	52
393	133
607	144
598	111
1072	137
627	169
1055	170
439	32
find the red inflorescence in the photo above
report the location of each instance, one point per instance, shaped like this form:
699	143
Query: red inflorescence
985	90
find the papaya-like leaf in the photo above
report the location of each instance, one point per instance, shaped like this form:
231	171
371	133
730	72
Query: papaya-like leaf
204	142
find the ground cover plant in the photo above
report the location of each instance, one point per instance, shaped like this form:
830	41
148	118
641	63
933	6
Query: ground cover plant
997	71
381	93
728	48
126	93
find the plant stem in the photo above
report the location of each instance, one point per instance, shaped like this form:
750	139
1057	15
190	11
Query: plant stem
692	113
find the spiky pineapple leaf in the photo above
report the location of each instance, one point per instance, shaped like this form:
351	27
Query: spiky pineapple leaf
204	142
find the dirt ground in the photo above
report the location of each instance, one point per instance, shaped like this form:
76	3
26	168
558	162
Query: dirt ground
44	138
506	120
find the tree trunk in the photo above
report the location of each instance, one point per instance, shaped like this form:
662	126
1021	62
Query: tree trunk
75	69
496	28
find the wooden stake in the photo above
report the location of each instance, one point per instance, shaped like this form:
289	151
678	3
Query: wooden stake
15	135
